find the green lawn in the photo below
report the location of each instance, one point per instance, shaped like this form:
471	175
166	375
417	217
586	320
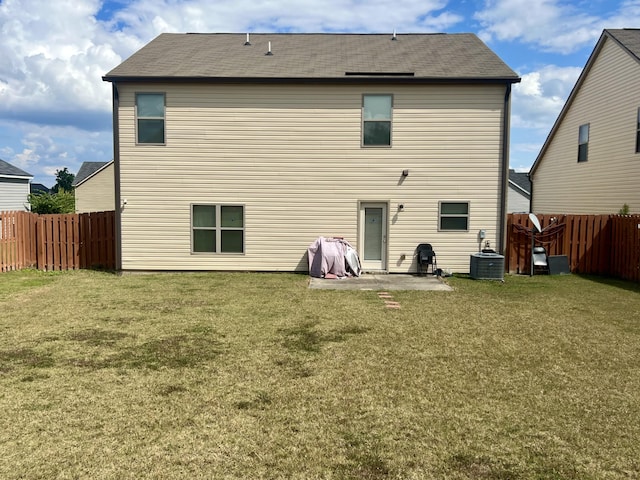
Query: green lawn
227	375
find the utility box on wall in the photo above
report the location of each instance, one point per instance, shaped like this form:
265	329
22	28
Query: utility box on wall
487	266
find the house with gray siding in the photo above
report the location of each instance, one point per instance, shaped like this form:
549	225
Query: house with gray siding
14	187
590	162
519	198
236	152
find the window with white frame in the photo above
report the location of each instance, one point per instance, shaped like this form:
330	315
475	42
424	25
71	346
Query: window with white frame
583	143
454	216
217	228
150	124
376	120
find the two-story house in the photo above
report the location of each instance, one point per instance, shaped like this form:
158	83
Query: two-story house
590	162
235	152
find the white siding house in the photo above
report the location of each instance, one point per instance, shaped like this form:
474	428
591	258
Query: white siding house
241	163
590	162
14	188
94	187
519	199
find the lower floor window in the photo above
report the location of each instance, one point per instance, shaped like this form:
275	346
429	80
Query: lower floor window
454	216
217	228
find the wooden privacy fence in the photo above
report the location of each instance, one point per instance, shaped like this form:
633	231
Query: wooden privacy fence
57	242
17	240
594	244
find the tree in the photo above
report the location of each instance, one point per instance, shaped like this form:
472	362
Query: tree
64	181
61	202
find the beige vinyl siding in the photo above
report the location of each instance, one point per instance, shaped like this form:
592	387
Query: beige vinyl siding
292	156
14	194
96	194
608	101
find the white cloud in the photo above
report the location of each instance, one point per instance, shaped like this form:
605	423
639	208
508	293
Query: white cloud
44	149
538	99
54	54
536	103
148	18
26	158
552	25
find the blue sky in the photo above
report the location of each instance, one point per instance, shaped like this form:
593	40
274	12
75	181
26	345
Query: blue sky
55	110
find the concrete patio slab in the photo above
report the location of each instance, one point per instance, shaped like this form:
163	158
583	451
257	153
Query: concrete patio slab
376	281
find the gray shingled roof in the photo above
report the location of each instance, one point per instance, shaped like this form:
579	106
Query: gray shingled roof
629	38
8	170
86	170
521	180
38	188
347	57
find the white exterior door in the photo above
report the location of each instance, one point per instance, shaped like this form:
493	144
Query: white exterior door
373	236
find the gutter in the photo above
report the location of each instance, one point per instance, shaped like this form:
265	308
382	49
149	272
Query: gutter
506	122
531	197
116	175
348	80
17	177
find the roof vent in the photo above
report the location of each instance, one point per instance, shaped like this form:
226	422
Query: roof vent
395	37
269	52
247	42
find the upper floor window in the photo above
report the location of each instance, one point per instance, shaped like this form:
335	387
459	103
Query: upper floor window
638	132
150	118
454	216
376	120
583	142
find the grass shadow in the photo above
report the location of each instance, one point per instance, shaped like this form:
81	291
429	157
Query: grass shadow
306	338
96	337
612	282
24	358
480	467
176	351
364	460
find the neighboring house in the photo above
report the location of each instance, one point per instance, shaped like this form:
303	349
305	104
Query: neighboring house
235	152
14	188
94	187
519	192
590	162
37	188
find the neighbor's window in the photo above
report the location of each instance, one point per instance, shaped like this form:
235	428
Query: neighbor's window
454	216
583	143
217	229
638	132
150	118
376	120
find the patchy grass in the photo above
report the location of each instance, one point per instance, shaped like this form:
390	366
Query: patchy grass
228	375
